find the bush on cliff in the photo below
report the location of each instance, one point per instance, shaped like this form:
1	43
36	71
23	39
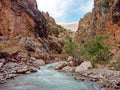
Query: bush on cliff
70	47
96	50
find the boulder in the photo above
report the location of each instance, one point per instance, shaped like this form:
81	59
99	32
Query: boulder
38	62
80	78
28	72
11	65
70	58
2	60
41	54
28	43
2	78
12	76
60	65
32	69
6	56
32	58
84	66
74	61
22	70
68	69
1	64
70	61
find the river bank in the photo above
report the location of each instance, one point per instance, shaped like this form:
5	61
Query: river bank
84	72
49	79
104	77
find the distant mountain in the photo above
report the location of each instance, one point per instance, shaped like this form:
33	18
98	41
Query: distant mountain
69	26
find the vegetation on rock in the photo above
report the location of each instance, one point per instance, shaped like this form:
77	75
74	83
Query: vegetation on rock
96	50
70	47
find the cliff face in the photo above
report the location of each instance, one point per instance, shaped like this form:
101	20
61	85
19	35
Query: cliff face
24	28
21	16
21	24
105	19
84	29
23	38
55	30
49	19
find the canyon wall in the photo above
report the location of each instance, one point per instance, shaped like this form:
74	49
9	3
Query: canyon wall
18	17
104	19
22	24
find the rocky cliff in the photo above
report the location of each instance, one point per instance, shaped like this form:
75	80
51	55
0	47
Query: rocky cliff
25	41
105	19
84	29
18	16
19	19
55	30
22	24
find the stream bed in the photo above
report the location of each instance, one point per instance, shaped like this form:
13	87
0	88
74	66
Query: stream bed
47	79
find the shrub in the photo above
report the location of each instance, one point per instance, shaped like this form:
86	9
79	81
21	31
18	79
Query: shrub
96	50
55	31
70	47
51	29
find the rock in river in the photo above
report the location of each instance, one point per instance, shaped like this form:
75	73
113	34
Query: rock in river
38	62
68	69
84	66
60	65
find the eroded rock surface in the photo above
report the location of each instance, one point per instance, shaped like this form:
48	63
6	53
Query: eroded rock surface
107	78
23	34
104	19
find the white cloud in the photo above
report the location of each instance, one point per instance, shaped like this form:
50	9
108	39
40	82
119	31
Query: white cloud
55	8
61	9
86	7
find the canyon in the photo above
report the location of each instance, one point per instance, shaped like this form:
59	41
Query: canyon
30	39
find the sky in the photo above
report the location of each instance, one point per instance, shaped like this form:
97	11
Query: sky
66	10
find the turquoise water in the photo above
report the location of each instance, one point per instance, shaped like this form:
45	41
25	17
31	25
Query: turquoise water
46	79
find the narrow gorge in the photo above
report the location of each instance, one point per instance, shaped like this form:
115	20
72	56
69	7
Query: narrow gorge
39	53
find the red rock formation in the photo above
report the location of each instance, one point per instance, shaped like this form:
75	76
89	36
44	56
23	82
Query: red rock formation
21	16
105	19
84	28
23	37
20	19
23	28
49	18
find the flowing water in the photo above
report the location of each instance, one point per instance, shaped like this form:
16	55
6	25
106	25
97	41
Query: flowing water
46	79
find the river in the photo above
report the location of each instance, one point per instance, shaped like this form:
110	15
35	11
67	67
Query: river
47	79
